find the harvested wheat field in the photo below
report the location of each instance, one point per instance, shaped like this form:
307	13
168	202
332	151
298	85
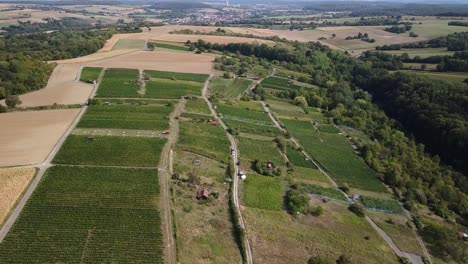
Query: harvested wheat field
28	137
160	61
13	182
62	88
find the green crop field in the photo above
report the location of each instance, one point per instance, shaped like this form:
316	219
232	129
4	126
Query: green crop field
89	215
260	150
198	106
423	53
278	83
126	117
298	159
229	88
164	46
263	192
335	154
388	205
328	192
204	139
310	175
119	83
110	150
237	113
90	74
130	44
252	128
169	89
194	77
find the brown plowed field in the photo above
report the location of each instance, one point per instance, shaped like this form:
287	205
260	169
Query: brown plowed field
28	137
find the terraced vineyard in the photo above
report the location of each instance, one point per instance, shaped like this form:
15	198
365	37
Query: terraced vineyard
89	215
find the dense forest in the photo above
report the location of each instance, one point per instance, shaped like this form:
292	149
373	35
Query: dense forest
23	55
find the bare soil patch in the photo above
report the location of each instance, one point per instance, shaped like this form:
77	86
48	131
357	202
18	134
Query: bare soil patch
62	88
159	60
14	181
28	137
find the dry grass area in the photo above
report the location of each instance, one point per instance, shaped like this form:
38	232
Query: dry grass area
28	137
13	182
62	88
277	237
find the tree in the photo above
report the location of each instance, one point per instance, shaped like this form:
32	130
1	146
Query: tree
3	109
357	209
12	101
226	75
300	101
343	259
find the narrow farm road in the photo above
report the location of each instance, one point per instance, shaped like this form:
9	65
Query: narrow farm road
412	258
165	173
235	158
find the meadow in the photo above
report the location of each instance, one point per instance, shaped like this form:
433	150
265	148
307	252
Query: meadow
90	74
328	192
110	150
119	83
204	139
89	215
126	117
229	88
335	154
193	77
265	151
263	192
164	46
387	205
170	89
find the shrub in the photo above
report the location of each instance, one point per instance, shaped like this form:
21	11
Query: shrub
357	209
343	259
319	260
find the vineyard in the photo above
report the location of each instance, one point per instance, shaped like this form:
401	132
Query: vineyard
386	205
89	215
193	77
111	151
127	117
119	83
170	89
90	74
229	88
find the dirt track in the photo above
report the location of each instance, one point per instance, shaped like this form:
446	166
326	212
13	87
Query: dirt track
28	137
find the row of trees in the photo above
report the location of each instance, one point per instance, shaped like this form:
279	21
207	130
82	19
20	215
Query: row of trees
453	42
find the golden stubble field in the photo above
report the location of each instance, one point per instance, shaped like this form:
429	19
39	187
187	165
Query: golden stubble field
28	137
13	182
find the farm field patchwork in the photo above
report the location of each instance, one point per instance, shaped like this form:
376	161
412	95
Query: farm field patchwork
89	215
14	182
90	74
110	150
119	83
170	89
229	88
335	154
126	117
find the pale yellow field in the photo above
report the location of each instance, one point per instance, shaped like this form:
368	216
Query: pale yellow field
28	137
13	181
62	88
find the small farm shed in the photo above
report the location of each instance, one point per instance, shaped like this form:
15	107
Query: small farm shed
214	123
166	132
203	194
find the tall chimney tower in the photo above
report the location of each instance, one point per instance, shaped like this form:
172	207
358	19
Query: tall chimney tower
227	2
